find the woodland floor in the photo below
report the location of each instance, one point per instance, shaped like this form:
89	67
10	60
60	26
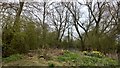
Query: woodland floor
57	57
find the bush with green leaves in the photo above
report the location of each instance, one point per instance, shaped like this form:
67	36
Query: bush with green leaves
94	54
14	57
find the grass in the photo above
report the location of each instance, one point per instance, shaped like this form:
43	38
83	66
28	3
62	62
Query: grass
85	60
14	57
62	58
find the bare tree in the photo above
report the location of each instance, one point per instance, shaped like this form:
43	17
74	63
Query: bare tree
59	18
72	7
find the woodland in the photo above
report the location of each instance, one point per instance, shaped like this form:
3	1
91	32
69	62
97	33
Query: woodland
60	33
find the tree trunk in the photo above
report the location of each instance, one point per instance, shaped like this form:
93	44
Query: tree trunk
16	25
